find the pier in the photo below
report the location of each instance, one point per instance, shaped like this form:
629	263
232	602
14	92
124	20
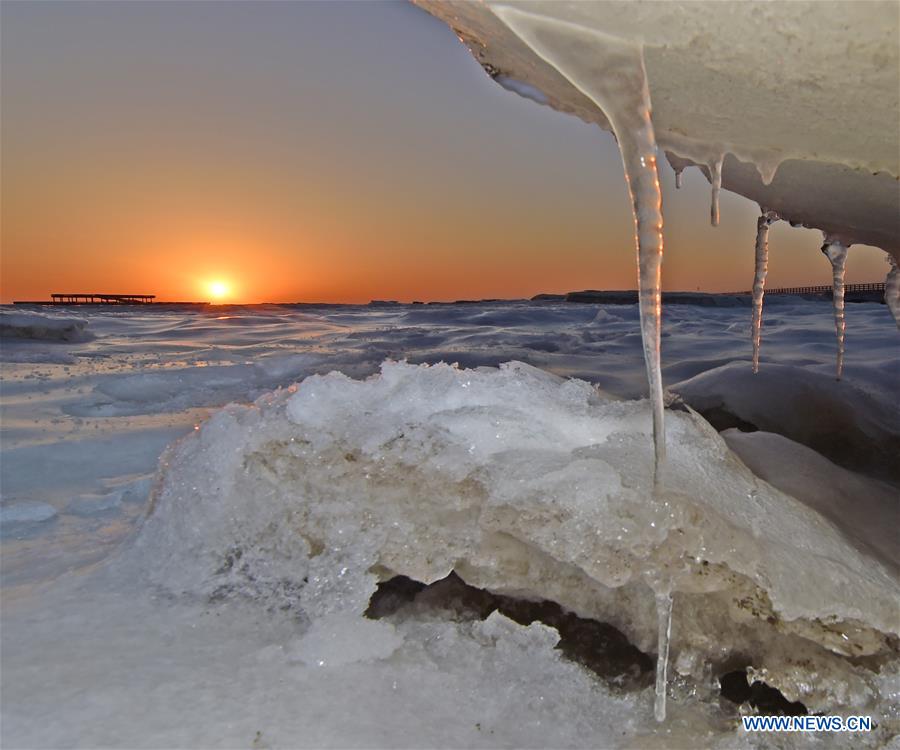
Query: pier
102	299
68	299
826	289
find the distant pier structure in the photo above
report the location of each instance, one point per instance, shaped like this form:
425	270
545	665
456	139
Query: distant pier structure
107	299
877	287
102	299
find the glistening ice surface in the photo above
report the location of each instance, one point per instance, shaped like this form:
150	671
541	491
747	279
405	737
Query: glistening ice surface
232	615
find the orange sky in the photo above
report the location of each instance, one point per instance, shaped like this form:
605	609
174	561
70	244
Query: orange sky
292	150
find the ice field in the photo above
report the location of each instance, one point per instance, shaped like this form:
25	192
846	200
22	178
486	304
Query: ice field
278	575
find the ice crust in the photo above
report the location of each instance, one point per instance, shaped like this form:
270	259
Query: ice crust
771	90
526	484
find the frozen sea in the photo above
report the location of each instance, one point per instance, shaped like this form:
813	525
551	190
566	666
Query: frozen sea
91	399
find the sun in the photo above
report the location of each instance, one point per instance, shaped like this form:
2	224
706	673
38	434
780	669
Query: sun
219	289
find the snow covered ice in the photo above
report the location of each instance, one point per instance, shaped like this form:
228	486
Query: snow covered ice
233	613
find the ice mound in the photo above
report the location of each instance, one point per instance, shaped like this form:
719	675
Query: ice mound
42	327
849	425
826	487
523	484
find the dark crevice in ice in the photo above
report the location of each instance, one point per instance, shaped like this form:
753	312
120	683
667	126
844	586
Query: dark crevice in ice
595	645
722	419
764	698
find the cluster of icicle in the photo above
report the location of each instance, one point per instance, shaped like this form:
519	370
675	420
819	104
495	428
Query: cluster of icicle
610	71
835	250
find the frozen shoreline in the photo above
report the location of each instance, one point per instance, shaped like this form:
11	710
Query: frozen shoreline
105	409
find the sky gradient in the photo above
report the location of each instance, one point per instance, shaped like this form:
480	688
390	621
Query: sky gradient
334	152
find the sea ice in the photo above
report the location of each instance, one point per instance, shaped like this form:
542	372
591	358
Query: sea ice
266	520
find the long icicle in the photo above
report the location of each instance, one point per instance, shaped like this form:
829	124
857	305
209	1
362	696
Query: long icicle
892	289
836	252
610	71
715	178
664	622
759	278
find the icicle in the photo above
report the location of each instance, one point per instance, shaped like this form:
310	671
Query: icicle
611	73
759	278
767	167
664	620
836	252
892	289
678	164
715	177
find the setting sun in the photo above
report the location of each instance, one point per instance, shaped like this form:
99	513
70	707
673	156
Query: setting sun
218	289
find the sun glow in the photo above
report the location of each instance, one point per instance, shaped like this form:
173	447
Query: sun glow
218	289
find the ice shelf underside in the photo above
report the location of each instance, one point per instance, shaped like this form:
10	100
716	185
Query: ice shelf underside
765	84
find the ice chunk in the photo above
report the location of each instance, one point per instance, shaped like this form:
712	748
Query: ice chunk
520	482
611	73
836	252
